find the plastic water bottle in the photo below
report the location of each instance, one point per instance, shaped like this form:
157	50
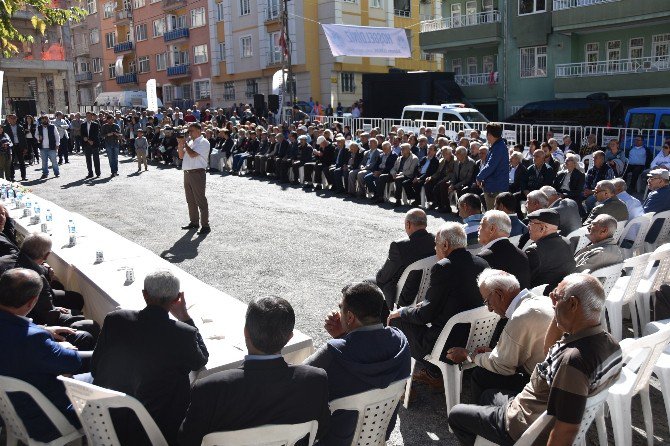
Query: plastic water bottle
4	193
29	204
37	208
48	216
71	229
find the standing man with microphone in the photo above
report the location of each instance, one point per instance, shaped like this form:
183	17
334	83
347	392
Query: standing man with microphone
194	155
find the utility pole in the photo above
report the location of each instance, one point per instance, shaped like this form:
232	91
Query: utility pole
287	55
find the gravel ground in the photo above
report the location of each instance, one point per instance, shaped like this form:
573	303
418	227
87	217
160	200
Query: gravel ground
266	239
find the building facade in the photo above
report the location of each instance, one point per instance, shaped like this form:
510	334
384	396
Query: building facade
506	53
42	71
87	53
248	52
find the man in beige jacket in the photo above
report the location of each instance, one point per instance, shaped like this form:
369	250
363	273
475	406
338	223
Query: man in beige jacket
508	366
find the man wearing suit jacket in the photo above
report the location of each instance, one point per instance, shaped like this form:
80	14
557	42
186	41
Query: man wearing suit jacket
32	354
383	167
265	389
357	176
440	179
403	173
363	355
608	203
603	250
453	289
90	136
517	172
567	208
464	170
570	181
17	134
149	356
498	251
402	253
426	168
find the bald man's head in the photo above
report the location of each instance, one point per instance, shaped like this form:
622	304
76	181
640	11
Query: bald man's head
415	220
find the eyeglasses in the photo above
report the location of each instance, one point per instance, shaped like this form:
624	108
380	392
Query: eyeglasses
488	297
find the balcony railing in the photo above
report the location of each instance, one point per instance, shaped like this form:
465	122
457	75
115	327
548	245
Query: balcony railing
83	77
460	21
130	78
81	49
569	4
169	5
402	12
179	70
123	47
612	67
466	80
122	16
179	33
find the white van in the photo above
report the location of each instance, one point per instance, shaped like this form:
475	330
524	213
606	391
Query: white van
434	115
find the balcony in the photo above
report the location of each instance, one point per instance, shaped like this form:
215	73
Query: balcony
81	49
123	47
448	32
171	5
130	78
179	71
84	77
616	77
467	80
176	34
585	15
123	17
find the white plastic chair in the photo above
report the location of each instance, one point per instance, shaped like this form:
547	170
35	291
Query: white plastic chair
515	240
608	276
635	231
594	410
625	292
664	233
92	403
620	226
423	198
15	429
580	234
269	435
648	285
539	290
662	366
640	356
482	324
375	409
425	265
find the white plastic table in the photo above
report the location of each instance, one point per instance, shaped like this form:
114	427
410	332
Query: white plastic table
218	316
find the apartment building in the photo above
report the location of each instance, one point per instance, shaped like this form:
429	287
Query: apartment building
248	53
87	54
42	71
506	53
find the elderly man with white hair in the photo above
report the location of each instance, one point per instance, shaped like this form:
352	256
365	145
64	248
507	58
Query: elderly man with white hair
603	250
567	208
633	205
608	203
582	360
498	251
149	356
453	289
507	367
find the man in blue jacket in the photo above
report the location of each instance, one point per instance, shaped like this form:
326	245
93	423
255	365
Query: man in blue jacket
33	354
493	177
362	356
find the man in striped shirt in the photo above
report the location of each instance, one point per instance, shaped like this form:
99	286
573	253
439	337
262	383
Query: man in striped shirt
582	360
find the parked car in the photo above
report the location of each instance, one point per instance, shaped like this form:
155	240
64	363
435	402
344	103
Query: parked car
434	115
653	123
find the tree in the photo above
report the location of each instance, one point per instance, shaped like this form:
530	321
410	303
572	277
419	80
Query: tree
44	15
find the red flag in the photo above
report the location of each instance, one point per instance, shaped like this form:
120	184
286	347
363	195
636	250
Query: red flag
282	44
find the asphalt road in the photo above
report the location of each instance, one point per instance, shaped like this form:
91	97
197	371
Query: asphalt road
266	239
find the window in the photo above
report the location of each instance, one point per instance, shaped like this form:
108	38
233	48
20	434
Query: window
81	67
111	69
91	6
245	45
132	66
488	64
455	14
376	3
220	8
201	89
348	83
161	61
159	27
168	93
471	12
144	64
94	36
200	54
97	64
186	92
613	54
141	32
178	57
592	54
229	91
660	47
531	6
197	17
456	66
472	65
275	48
222	51
245	7
252	88
138	4
636	48
108	10
533	62
110	40
176	22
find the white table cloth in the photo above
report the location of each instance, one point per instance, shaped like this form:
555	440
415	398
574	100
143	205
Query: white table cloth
218	316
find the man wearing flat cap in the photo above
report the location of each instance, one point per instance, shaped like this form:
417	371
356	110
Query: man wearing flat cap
659	191
550	256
